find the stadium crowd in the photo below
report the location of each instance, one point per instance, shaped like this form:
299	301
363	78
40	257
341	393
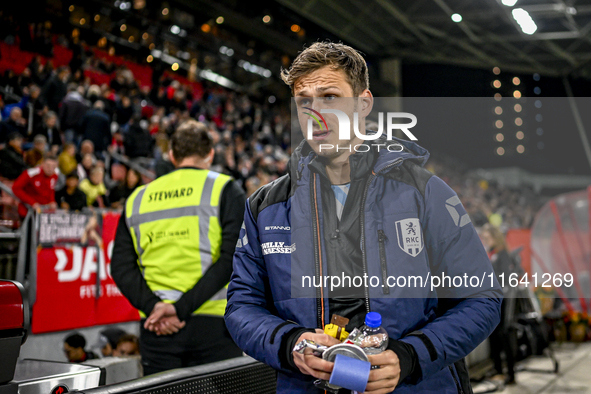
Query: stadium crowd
80	127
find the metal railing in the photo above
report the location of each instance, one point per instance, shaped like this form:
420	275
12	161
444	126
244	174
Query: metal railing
242	375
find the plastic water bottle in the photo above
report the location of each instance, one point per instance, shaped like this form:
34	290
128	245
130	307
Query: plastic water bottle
375	338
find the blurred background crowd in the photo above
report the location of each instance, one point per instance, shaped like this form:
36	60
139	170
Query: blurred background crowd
105	126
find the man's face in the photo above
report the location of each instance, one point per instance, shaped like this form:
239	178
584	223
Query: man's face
50	122
87	160
49	166
63	75
326	88
96	177
86	147
16	114
16	143
72	183
40	146
73	354
35	92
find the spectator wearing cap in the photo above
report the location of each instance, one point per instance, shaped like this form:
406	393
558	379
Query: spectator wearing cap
72	110
108	340
34	156
14	124
36	186
74	348
96	127
12	163
67	159
50	130
70	197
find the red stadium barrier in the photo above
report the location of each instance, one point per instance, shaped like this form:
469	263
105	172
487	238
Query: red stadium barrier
67	296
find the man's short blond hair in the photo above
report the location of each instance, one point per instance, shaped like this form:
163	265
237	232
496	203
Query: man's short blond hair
337	56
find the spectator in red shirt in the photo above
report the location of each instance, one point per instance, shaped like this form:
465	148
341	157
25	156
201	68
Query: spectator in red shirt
36	186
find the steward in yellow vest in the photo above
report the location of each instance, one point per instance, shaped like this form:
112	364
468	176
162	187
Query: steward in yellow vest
172	256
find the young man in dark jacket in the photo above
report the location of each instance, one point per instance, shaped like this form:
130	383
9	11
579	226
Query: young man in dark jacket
357	209
70	197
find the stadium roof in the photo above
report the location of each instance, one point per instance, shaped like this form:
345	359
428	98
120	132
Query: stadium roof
554	39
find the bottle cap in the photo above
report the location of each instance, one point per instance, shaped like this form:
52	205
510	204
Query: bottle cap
373	319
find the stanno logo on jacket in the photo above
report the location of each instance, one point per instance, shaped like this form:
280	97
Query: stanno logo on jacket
271	228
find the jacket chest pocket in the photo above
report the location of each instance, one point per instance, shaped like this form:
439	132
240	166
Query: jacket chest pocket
398	256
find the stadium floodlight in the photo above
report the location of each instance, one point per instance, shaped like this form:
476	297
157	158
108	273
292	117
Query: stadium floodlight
253	68
226	51
214	77
524	20
456	18
509	3
174	29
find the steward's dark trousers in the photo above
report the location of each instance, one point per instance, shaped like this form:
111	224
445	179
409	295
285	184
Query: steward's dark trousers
204	339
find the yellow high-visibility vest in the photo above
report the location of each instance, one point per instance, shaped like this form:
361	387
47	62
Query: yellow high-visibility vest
175	227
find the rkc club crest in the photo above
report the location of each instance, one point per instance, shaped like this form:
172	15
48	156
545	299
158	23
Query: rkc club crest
410	237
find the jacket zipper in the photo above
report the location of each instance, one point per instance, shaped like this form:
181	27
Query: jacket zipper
381	239
319	292
371	177
453	375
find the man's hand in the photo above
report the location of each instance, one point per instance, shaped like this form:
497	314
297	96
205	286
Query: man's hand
168	325
307	363
384	379
163	319
53	205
